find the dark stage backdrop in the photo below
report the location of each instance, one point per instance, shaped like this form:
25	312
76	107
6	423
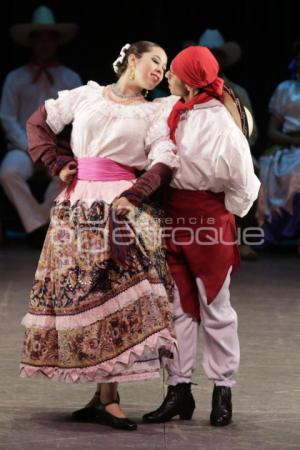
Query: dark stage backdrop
264	29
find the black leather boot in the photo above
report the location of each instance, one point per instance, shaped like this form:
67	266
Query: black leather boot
179	401
93	411
221	413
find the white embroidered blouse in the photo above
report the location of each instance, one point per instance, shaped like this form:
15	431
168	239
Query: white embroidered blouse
136	135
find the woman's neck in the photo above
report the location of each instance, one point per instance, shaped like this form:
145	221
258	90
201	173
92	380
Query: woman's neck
128	88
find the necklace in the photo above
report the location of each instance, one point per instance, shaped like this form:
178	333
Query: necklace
118	93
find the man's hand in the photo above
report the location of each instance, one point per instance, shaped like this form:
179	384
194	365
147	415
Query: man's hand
68	172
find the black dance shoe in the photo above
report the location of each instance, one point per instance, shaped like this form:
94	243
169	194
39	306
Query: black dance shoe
120	423
179	401
93	411
221	413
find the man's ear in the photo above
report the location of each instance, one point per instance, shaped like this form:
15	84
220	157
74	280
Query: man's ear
188	89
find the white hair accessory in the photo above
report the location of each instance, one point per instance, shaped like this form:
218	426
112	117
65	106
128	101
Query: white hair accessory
121	57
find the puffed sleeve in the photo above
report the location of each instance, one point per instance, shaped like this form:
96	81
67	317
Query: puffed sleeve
45	146
60	111
159	147
277	104
234	167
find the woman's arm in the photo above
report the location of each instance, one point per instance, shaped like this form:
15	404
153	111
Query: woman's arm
276	134
9	112
159	175
44	145
162	158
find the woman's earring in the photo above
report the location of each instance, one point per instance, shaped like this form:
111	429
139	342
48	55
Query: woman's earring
131	75
146	93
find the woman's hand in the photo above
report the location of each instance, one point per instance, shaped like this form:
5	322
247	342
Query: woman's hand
122	207
68	172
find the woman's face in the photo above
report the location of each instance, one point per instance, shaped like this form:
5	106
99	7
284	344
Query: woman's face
150	68
175	85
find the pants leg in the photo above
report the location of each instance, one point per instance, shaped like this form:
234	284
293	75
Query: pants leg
181	368
53	189
15	169
221	353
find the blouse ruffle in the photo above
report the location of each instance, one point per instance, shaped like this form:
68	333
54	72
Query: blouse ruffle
151	128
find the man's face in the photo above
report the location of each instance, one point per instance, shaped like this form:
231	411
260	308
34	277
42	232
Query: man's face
175	85
44	45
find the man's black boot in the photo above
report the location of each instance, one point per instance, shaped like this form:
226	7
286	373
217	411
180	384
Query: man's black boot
221	413
179	401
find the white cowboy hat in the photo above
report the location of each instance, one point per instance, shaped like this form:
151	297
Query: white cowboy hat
213	39
43	20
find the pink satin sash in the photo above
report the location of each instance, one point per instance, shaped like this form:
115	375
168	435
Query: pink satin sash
103	169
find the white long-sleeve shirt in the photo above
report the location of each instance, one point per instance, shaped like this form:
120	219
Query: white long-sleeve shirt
21	97
214	155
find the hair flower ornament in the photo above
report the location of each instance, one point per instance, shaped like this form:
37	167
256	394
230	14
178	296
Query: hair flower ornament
121	57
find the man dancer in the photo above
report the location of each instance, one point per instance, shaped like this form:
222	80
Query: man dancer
25	88
215	180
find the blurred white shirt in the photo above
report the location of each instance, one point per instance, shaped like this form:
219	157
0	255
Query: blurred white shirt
21	97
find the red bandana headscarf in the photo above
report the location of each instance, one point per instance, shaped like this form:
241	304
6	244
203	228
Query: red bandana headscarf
198	68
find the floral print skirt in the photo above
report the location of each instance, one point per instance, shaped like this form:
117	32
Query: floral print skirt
90	318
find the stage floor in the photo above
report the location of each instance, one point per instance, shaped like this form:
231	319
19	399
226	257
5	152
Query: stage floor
35	414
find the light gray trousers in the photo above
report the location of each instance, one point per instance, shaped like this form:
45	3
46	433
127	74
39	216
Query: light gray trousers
15	169
221	352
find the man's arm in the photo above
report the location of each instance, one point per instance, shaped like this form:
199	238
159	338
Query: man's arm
14	132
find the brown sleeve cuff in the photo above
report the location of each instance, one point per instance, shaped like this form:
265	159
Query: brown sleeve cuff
44	145
60	162
159	175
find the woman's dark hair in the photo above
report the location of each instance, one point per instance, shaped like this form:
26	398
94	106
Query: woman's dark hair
137	49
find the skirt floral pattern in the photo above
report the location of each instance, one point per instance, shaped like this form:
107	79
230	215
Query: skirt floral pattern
89	318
